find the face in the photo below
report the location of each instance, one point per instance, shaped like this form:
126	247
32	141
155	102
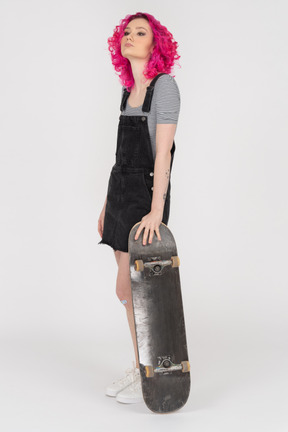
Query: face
139	35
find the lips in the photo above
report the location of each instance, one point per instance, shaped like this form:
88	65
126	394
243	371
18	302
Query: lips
128	44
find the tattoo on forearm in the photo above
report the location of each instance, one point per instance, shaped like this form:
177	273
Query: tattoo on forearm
167	173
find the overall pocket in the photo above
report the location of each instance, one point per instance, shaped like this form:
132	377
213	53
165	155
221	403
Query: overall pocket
128	151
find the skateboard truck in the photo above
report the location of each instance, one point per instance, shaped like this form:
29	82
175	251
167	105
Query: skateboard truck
167	366
157	266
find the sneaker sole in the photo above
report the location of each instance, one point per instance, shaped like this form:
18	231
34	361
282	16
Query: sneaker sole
114	393
127	400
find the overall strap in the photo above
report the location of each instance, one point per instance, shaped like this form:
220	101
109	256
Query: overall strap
148	98
124	99
149	93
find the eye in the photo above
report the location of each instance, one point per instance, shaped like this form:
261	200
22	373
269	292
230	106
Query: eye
126	32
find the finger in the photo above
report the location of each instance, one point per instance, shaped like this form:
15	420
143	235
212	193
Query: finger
158	233
138	232
151	235
146	232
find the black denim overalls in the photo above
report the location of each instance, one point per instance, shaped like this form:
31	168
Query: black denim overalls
130	186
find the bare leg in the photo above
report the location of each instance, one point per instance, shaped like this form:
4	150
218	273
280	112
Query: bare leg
123	291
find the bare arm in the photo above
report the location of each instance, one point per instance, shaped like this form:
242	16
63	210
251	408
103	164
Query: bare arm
164	140
101	219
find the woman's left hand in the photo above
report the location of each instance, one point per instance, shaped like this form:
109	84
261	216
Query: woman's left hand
150	223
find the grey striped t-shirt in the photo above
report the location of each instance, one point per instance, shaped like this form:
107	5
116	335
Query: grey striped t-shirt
165	106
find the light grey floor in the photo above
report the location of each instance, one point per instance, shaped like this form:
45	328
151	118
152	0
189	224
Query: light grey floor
54	383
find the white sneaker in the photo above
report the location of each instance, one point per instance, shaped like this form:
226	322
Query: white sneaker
122	383
132	393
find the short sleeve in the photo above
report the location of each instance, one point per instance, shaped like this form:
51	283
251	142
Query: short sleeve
167	100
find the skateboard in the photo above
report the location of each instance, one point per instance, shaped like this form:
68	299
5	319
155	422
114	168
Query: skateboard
159	320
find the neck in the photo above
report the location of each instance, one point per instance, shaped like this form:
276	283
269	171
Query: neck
140	82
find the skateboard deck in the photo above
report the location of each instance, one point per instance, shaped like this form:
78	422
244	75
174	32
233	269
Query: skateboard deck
159	320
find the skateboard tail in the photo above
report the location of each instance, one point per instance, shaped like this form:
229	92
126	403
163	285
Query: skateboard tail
161	396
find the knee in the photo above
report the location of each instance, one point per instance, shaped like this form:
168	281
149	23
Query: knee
121	291
124	295
126	302
123	282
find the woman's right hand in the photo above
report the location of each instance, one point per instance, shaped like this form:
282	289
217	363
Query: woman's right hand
101	220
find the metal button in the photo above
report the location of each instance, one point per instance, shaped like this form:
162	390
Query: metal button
152	188
151	174
143	118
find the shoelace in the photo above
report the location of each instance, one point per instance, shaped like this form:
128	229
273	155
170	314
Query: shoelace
135	385
129	371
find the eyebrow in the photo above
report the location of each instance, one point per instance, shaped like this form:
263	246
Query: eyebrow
136	28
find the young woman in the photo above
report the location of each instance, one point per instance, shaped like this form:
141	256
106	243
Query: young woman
144	52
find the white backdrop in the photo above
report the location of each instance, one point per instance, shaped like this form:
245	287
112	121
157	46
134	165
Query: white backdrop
64	333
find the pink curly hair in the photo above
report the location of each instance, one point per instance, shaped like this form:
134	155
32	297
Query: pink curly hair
162	59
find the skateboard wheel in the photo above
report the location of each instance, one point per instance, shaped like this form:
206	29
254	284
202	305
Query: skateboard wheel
175	261
185	366
149	371
139	265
